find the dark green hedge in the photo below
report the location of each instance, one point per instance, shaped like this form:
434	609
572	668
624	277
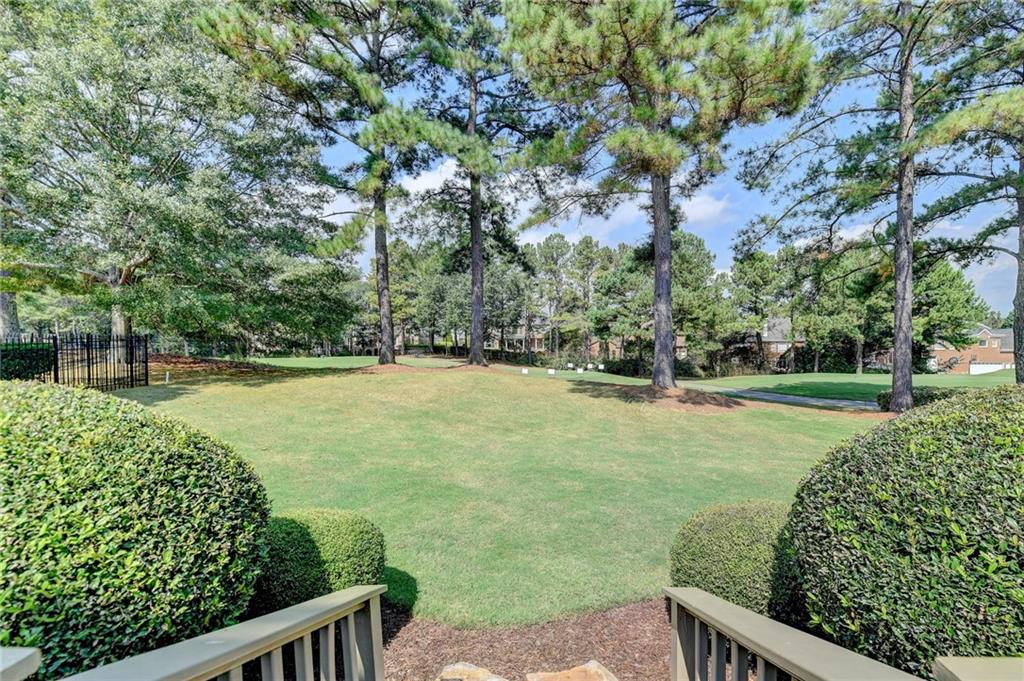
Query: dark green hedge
25	361
314	552
910	538
922	395
730	551
120	530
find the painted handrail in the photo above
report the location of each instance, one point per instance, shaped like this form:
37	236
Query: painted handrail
978	668
705	626
17	664
221	654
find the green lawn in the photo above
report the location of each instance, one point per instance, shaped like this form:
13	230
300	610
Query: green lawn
505	499
849	386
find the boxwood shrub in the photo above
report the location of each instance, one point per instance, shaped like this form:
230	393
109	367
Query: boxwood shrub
923	395
730	550
909	539
120	530
314	552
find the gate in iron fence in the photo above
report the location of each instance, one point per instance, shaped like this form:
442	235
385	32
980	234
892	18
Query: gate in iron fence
92	361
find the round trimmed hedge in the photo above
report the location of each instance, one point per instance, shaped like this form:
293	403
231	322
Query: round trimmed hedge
120	530
910	538
314	552
730	550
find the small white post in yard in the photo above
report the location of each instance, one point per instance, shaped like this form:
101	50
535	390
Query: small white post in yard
551	372
167	377
570	365
600	367
525	371
580	370
589	365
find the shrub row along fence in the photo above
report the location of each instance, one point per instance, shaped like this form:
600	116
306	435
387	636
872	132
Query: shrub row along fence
92	361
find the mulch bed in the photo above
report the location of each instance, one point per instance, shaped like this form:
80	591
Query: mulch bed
180	365
631	641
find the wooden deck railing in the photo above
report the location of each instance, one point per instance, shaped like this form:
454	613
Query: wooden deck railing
221	654
705	626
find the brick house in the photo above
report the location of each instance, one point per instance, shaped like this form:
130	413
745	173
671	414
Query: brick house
992	350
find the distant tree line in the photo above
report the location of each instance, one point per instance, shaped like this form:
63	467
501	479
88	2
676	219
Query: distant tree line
164	164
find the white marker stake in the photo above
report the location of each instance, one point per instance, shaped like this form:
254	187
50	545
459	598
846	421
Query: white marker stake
526	371
571	365
590	366
580	370
167	377
600	367
551	372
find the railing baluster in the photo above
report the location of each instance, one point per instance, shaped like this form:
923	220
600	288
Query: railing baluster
700	650
740	666
683	624
327	657
304	658
272	665
231	675
766	671
718	643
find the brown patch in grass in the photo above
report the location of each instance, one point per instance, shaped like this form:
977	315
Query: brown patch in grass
632	641
683	399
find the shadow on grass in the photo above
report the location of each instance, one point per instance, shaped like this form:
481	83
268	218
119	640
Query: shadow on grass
646	394
398	601
833	390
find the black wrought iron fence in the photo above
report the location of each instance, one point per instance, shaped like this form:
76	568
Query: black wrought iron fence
93	361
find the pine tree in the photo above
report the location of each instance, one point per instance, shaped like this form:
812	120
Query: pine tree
655	85
339	65
875	59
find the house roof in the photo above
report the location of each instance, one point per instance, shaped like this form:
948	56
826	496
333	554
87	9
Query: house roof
778	330
1005	336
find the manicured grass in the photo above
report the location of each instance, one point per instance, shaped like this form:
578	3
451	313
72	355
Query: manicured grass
352	362
505	499
849	386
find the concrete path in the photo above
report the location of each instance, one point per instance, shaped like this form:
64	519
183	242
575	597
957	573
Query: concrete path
800	400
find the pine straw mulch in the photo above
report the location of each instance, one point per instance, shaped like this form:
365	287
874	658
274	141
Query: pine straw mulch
180	365
631	641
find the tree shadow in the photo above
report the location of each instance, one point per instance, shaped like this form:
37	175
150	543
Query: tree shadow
677	398
828	390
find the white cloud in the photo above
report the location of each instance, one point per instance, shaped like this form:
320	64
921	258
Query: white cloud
703	209
431	179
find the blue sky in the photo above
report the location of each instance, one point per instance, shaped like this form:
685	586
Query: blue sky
716	213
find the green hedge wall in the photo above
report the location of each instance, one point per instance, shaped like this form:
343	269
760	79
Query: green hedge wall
120	530
25	361
909	539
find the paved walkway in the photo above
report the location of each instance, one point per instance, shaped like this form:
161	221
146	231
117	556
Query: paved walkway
800	400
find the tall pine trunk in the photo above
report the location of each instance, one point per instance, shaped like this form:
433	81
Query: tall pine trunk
903	338
859	355
663	375
1018	298
476	242
380	241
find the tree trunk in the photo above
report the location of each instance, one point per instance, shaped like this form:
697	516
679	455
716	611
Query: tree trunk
762	358
903	333
817	360
476	243
432	341
1018	298
859	356
120	326
380	239
9	322
663	375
